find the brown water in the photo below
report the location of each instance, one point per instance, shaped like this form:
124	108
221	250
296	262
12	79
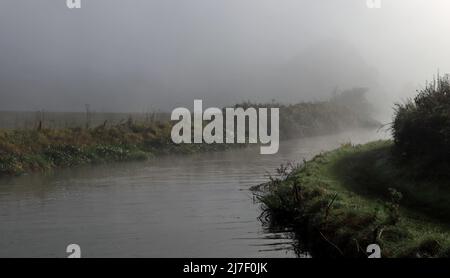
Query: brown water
174	206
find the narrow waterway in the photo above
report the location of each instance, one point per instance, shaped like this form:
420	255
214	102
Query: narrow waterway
174	206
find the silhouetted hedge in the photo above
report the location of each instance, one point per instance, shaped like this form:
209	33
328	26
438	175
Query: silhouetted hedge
421	128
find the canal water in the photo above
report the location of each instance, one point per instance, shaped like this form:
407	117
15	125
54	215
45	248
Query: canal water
173	206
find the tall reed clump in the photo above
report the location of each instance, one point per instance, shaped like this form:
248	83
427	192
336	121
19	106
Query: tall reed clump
421	129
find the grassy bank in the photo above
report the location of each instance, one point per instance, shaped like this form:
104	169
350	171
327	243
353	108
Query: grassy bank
24	151
44	147
341	201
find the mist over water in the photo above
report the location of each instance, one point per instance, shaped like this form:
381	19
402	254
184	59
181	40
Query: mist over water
175	206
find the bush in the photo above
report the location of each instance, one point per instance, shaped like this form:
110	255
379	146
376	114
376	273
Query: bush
421	128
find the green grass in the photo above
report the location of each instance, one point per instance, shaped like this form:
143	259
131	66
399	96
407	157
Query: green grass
344	200
25	151
374	170
43	148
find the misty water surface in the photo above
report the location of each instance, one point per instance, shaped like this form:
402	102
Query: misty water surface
175	206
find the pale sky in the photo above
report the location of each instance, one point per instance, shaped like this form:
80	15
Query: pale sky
136	55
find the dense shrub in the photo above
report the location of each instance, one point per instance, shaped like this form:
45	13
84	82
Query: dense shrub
421	128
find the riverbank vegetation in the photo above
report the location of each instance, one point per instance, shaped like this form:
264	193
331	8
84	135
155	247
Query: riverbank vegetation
392	193
30	150
43	148
343	111
421	130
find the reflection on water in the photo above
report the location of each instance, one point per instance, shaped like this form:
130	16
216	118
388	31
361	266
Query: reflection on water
175	206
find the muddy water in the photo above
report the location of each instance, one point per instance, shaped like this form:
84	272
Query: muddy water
174	206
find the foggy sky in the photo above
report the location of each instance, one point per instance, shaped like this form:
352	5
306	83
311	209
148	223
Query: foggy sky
139	55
